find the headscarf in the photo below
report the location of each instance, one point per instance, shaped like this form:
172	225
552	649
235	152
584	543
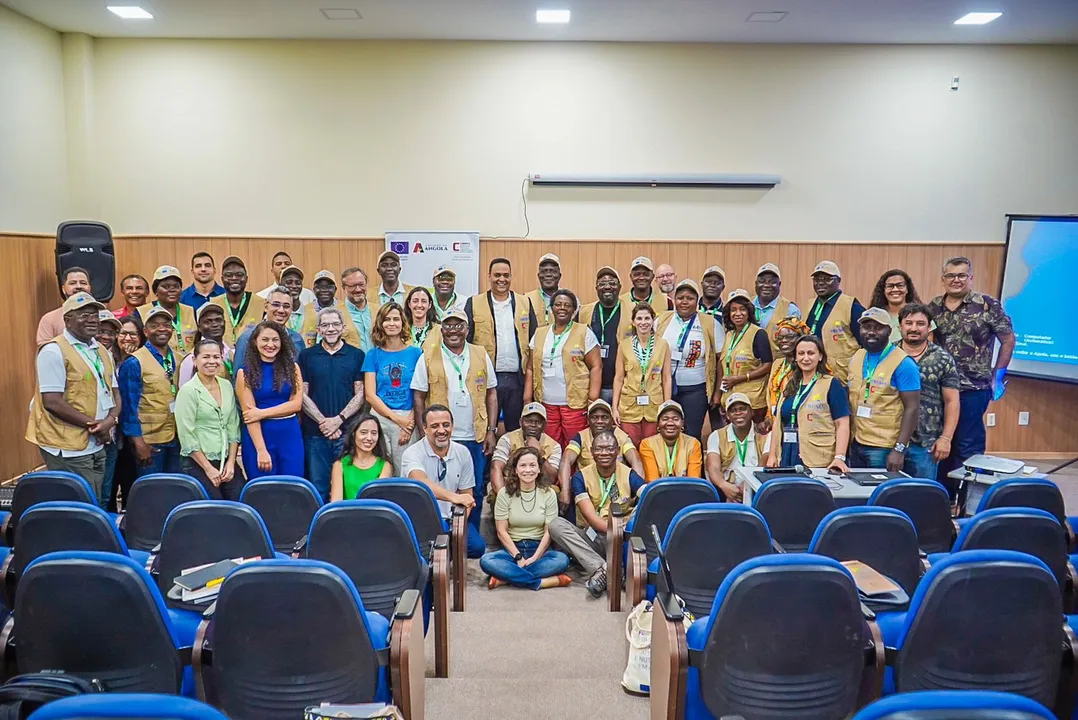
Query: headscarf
782	370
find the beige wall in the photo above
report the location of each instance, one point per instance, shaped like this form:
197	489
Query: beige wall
352	138
33	160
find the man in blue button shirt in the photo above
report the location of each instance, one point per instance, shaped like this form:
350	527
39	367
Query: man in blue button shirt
205	285
279	310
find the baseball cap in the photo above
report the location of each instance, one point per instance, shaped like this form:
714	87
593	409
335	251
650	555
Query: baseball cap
599	403
714	270
875	313
771	268
154	312
80	300
607	270
106	316
671	405
387	253
550	257
166	271
739	293
736	398
828	268
457	314
292	269
208	307
233	260
688	283
324	275
642	262
443	269
533	408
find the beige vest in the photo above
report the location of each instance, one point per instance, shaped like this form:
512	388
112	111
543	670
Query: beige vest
647	382
539	307
484	332
681	457
816	427
309	325
779	367
158	394
625	324
584	458
740	360
837	336
372	295
782	310
182	342
475	383
256	310
707	322
547	444
577	374
80	391
882	428
594	485
728	450
433	339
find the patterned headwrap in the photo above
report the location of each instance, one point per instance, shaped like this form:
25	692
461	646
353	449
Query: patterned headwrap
792	323
782	370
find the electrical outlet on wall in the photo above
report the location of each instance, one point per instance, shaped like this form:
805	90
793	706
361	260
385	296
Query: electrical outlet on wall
990	420
1023	418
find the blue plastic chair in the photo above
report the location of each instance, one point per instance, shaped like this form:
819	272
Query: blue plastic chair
927	504
1038	493
121	706
148	503
955	705
793	508
39	487
286	504
881	537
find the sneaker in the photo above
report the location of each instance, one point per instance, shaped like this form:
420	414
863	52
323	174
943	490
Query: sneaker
596	584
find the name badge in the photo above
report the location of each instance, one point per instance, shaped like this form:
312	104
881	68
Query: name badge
642	400
172	407
592	535
460	400
789	436
863	411
675	354
604	351
548	371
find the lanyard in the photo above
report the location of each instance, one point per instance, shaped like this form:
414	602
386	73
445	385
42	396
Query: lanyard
671	456
177	324
867	371
442	313
169	363
742	447
604	320
608	487
458	366
237	315
643	357
651	296
686	328
733	346
800	397
94	360
785	372
817	311
558	340
420	335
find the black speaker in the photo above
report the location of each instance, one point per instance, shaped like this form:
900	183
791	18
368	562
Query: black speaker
87	244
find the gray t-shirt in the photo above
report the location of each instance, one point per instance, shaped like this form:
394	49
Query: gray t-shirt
458	472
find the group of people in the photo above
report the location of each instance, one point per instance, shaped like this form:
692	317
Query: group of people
594	399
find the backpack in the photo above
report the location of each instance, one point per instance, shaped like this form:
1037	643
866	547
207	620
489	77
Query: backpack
23	694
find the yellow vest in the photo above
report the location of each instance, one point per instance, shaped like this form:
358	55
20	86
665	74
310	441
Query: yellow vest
182	342
584	458
625	320
681	457
475	383
309	325
728	450
256	310
782	310
372	295
433	339
881	430
539	307
707	323
594	485
80	391
742	361
837	336
577	374
816	427
484	332
648	381
547	444
158	393
787	369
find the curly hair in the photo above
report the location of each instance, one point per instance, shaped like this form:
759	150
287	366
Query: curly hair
879	299
821	367
512	482
284	365
379	450
740	300
378	335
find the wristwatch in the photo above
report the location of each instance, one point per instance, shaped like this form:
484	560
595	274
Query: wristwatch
493	430
840	457
900	447
342	417
518	557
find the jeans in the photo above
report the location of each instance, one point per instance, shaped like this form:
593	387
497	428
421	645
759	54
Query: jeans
920	463
865	456
91	467
479	464
693	399
477	546
510	398
321	453
607	394
969	436
230	490
112	451
164	458
501	565
591	554
563	423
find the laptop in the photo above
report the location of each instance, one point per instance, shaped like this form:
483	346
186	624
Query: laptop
872	477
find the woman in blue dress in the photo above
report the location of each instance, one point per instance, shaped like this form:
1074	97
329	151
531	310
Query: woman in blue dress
270	390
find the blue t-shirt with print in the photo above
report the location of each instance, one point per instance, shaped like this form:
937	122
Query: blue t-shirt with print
393	374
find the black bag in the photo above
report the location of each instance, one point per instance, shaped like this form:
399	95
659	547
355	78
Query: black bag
23	694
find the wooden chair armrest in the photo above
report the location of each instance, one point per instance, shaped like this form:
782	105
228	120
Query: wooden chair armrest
636	580
407	662
8	581
615	535
459	544
202	662
669	659
9	667
1069	589
875	665
440	569
1068	676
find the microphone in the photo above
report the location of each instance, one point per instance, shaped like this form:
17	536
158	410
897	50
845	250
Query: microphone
795	470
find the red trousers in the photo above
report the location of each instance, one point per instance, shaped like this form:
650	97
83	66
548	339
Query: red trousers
638	431
563	422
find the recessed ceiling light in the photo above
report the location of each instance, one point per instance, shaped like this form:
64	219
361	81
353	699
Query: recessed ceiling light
977	18
129	12
766	17
341	14
550	17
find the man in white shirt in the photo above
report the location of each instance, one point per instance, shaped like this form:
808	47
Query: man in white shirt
736	445
446	468
280	261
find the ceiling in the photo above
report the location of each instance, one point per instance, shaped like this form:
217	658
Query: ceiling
807	21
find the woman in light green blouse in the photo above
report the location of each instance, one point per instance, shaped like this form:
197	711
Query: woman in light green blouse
208	425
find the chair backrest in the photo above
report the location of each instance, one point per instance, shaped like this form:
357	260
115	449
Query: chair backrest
286	503
150	500
811	667
659	501
704	543
114	706
1039	493
881	537
61	525
208	531
926	503
320	633
96	615
983	619
1023	529
954	705
373	543
793	508
46	485
416	499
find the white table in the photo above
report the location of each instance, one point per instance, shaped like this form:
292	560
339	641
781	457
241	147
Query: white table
845	490
978	483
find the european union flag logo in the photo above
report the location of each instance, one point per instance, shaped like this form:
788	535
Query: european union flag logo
399	247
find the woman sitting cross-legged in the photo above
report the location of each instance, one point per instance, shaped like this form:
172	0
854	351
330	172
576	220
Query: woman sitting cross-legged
523	510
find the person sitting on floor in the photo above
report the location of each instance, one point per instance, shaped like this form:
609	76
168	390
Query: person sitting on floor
671	453
577	455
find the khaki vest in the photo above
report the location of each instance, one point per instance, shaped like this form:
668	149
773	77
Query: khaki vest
742	362
484	332
837	336
881	430
594	485
681	459
158	392
309	326
475	382
707	322
182	342
547	444
816	427
782	310
80	391
577	374
649	382
256	310
433	339
625	320
728	450
659	302
538	303
785	368
584	458
372	295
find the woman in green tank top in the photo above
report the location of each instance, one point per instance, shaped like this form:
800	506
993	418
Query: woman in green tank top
364	459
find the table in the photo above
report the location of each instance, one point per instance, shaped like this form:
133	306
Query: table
846	491
978	483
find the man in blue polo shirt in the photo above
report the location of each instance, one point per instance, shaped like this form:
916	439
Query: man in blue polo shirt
332	393
205	285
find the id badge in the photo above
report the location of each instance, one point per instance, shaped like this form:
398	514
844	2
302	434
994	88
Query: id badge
548	371
604	351
863	411
460	400
642	400
675	354
172	407
592	535
789	436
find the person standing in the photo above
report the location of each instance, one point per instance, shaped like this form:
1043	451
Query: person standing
643	380
711	286
565	372
292	280
167	286
746	355
332	373
549	277
502	322
419	310
835	318
278	310
885	389
940	384
893	291
445	292
363	459
134	290
269	388
243	309
532	433
74	280
108	328
968	324
129	338
610	324
695	340
666	278
205	286
278	263
771	306
356	305
671	453
148	383
387	378
325	297
391	289
736	445
460	376
211	325
208	424
787	332
641	277
78	401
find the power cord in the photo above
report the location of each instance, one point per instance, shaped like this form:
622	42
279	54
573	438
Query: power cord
527	221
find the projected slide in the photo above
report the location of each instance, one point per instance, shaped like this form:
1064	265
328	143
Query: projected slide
1040	271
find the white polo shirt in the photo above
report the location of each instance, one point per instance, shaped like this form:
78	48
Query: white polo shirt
460	401
52	377
459	473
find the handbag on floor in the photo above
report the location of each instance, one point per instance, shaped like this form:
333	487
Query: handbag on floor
636	679
23	694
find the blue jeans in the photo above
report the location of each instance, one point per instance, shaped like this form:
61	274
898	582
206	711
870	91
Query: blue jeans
165	458
969	436
500	564
112	451
321	454
694	400
865	456
477	546
920	463
479	464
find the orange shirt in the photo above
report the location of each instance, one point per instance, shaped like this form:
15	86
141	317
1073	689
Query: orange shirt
652	464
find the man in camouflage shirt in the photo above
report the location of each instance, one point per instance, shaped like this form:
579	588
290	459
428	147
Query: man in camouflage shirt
940	381
967	324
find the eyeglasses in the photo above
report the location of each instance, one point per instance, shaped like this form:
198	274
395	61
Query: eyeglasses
443	469
127	333
280	305
607	284
233	275
331	325
355	286
895	286
453	326
955	276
